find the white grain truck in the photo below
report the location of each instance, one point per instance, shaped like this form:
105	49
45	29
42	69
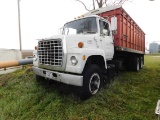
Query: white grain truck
88	47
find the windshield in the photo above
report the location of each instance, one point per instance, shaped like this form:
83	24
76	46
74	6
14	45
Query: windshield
81	26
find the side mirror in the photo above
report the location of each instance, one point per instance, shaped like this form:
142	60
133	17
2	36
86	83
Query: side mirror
66	31
60	31
114	23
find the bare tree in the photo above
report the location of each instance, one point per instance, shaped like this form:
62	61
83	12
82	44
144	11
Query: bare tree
102	3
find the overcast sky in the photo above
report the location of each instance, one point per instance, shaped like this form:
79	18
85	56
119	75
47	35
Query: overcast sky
43	18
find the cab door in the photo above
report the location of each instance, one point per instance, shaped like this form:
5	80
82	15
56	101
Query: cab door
106	39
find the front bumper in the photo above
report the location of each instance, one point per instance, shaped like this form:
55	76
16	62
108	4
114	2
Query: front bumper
61	77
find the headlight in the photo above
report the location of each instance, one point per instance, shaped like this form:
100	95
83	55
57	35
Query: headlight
74	60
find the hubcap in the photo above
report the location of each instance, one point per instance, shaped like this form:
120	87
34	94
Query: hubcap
94	83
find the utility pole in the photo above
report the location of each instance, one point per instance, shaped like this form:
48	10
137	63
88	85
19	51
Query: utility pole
19	24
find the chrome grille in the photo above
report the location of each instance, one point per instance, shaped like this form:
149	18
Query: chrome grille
50	52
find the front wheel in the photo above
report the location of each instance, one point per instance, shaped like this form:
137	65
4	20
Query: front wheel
92	78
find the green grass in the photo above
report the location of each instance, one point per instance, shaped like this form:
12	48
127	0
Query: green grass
130	96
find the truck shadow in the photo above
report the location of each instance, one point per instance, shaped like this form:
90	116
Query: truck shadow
61	88
65	90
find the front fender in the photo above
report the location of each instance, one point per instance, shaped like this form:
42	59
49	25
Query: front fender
79	53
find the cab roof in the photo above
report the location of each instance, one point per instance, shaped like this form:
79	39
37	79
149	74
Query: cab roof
101	10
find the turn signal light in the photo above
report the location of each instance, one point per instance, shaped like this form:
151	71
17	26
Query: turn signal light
80	44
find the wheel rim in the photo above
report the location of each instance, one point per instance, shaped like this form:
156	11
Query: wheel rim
94	83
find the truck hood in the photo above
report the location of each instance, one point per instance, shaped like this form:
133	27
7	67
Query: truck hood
88	40
71	41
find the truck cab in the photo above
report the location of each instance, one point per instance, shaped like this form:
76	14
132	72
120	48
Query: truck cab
77	56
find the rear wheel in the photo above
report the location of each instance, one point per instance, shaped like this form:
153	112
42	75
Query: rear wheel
136	65
92	78
141	62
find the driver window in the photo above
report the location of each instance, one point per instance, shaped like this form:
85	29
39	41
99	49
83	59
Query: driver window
104	28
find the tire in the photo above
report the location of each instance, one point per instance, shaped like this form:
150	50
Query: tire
92	78
141	62
136	64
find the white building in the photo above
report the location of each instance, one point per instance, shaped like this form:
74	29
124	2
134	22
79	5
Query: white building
153	48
